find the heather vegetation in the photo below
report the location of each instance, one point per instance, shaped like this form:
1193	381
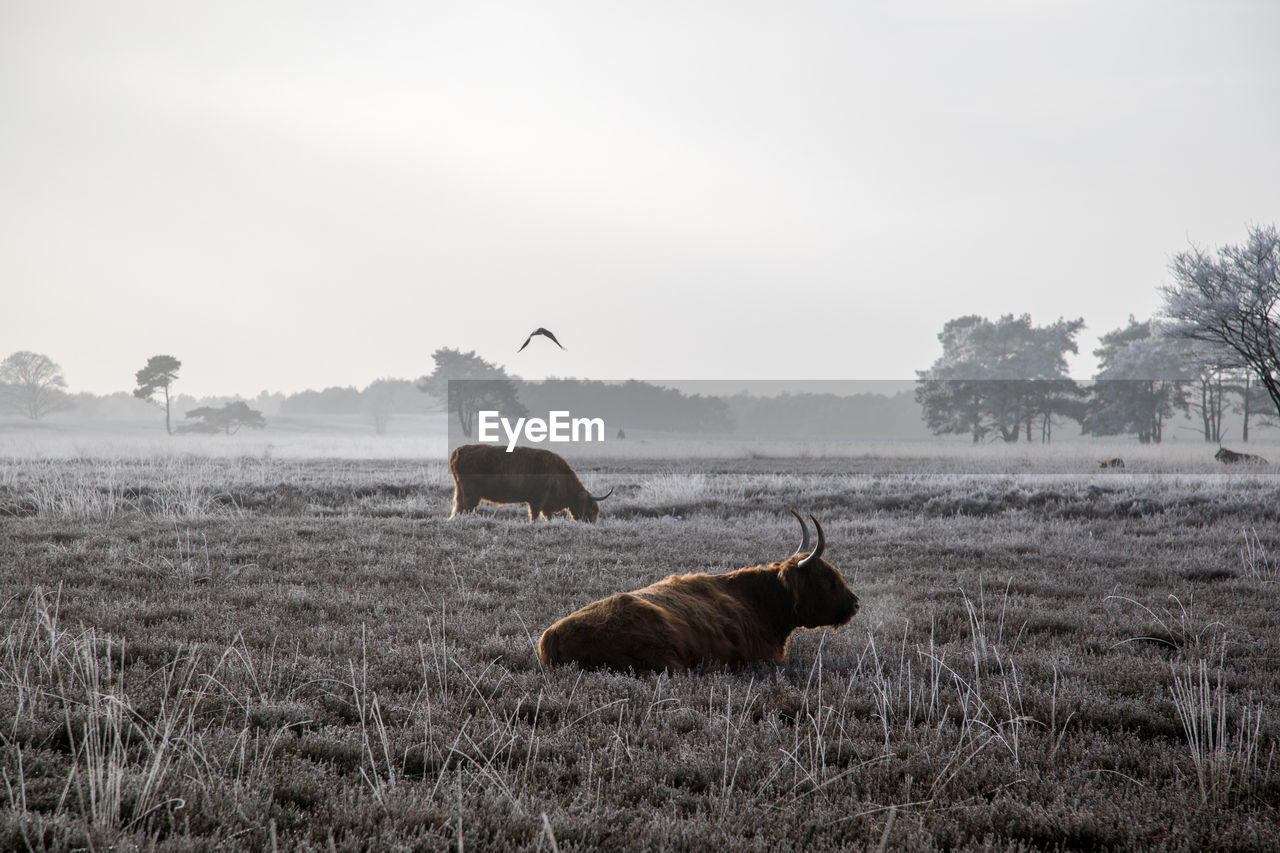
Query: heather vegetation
261	653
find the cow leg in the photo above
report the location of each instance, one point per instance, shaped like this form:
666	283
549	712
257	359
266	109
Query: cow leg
462	502
540	506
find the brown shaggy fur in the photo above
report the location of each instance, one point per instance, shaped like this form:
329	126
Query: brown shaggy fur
540	478
685	620
1117	462
1230	457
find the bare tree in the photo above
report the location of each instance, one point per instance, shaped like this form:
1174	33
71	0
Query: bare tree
32	385
1231	302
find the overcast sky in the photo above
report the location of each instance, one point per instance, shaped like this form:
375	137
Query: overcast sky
287	196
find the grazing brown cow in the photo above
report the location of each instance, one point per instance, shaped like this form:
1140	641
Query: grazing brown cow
1230	457
733	618
540	478
1117	462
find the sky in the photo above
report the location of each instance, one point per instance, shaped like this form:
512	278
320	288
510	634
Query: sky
298	195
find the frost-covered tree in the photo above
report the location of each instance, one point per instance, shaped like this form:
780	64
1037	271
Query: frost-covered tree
1000	377
1140	383
1210	371
32	385
471	384
1252	402
1231	302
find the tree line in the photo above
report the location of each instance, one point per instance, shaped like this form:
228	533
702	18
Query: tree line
469	384
1214	348
462	382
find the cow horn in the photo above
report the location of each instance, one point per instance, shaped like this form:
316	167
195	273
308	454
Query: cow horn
605	495
804	530
817	551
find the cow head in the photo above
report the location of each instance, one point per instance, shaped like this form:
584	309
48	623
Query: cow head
587	506
819	593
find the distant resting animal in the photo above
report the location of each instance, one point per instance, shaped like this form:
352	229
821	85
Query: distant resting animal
685	620
1230	457
539	331
1115	462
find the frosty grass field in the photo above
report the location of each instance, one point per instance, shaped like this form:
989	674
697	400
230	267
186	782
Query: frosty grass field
262	645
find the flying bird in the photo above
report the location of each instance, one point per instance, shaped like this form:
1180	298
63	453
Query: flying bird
540	331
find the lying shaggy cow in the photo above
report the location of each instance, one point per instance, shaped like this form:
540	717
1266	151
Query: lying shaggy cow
734	618
540	478
1230	457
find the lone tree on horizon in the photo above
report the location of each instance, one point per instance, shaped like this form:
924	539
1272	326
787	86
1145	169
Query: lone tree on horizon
161	372
32	385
